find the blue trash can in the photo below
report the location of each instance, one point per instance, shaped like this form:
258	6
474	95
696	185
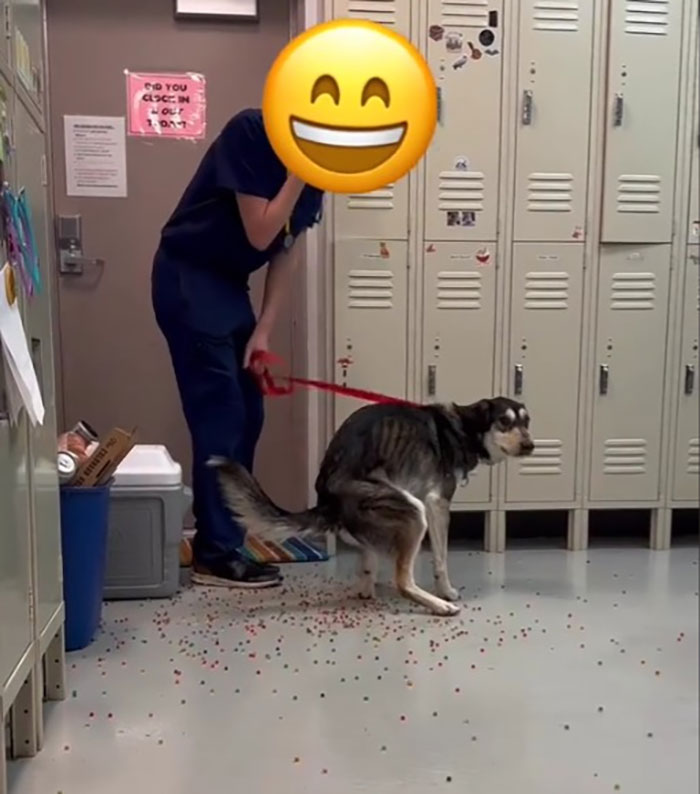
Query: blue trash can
84	522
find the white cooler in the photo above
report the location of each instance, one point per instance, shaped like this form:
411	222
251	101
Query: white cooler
147	505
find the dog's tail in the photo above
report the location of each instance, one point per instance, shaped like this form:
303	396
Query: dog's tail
258	514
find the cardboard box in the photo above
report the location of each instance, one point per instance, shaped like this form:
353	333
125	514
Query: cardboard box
99	468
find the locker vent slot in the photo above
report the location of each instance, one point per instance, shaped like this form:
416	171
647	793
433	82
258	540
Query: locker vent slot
458	290
639	193
633	291
546	459
549	192
553	15
382	11
647	17
461	190
625	456
370	289
694	456
464	13
382	199
547	290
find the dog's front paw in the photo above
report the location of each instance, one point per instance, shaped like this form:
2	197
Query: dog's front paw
445	609
448	592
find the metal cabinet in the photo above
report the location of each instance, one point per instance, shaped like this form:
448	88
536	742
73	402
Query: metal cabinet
459	313
686	464
371	315
553	120
545	358
630	352
395	14
644	63
462	166
27	47
31	175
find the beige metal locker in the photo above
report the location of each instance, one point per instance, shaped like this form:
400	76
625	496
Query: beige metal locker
629	375
371	315
464	43
686	474
396	14
642	120
27	46
381	213
459	314
30	175
694	219
545	357
553	120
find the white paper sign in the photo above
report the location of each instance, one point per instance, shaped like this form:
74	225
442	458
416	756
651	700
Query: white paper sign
18	361
95	156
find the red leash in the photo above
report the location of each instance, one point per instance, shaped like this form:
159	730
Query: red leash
286	383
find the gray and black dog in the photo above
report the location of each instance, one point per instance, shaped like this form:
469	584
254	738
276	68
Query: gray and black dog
387	478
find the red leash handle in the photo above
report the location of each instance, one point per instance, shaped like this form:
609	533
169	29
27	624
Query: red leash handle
285	385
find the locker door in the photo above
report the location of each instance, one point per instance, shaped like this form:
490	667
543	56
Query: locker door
383	212
458	335
462	164
27	46
4	40
694	220
687	462
642	120
30	160
371	302
395	14
545	357
553	119
630	355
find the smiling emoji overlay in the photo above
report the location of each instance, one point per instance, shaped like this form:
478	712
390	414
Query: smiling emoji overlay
349	106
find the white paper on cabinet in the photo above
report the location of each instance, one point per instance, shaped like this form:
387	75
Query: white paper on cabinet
18	360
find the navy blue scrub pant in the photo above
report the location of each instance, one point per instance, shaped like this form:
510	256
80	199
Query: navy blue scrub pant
222	404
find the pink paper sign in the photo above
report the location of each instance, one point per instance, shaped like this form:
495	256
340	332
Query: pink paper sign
167	105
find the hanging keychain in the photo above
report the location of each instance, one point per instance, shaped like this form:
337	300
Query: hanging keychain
11	235
26	227
288	236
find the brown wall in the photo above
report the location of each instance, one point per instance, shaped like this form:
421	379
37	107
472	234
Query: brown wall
115	368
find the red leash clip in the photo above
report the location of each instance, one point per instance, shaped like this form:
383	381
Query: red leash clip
270	388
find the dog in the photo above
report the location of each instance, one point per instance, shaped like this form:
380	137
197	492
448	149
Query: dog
387	478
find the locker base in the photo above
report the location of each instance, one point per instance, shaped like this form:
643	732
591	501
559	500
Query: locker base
51	681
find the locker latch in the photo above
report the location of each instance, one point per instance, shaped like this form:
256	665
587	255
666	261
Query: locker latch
526	116
518	379
618	110
689	378
432	380
603	379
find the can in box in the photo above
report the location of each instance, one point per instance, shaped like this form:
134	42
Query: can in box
147	505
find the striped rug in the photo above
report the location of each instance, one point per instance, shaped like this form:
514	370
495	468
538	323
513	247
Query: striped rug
291	550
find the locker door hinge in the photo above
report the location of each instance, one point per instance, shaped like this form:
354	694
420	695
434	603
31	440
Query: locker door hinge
440	103
44	171
6	20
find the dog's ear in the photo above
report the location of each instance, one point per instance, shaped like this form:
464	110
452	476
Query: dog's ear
478	416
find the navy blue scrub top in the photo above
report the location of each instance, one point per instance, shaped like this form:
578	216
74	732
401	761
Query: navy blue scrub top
204	240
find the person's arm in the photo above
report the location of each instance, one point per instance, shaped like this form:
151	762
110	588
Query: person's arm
262	219
278	284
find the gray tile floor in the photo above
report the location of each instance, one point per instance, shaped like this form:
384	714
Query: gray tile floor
564	673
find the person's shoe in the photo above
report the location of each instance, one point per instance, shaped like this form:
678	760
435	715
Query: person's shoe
236	573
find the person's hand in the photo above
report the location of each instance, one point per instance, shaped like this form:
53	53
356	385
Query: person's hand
259	342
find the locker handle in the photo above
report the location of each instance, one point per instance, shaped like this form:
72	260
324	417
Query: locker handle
604	378
526	116
518	380
432	380
618	110
440	104
689	378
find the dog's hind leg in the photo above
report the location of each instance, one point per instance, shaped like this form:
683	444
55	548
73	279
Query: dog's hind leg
369	563
438	515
